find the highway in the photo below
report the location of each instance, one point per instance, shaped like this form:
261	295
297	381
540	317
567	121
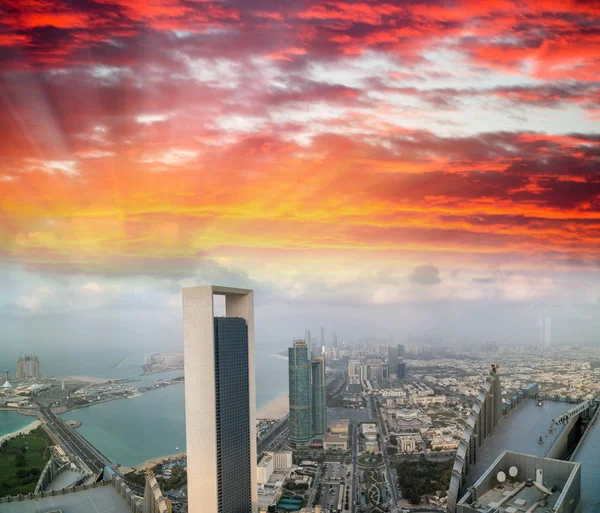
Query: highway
74	443
354	457
277	431
384	454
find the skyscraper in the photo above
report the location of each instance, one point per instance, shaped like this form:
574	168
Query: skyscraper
400	350
323	338
318	398
401	373
335	343
34	367
308	337
21	368
220	400
300	424
392	362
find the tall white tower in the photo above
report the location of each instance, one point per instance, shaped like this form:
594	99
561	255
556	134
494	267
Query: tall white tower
220	401
547	331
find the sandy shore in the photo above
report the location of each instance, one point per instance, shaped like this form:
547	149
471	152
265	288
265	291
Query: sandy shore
275	409
154	461
89	379
24	431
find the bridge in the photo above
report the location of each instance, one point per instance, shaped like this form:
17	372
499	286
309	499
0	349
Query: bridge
81	449
74	444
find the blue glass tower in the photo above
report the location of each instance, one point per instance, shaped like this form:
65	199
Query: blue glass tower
318	398
300	394
233	437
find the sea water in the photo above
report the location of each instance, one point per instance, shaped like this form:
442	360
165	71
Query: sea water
130	431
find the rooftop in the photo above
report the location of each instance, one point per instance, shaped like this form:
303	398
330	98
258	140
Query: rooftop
519	432
523	499
103	499
517	483
265	460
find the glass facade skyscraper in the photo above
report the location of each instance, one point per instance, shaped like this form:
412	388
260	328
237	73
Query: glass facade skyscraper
233	437
392	362
400	350
300	394
318	398
308	408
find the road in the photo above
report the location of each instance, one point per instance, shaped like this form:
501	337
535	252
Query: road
313	490
354	457
73	443
275	432
384	454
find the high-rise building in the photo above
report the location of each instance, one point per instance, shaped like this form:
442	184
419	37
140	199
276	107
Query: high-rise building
335	343
547	331
34	367
300	424
318	398
21	368
400	350
308	337
220	400
354	367
322	336
401	374
392	362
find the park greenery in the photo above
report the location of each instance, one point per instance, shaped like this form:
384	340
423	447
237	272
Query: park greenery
176	480
423	477
22	460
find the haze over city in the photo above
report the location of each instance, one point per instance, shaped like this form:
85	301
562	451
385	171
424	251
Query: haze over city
314	256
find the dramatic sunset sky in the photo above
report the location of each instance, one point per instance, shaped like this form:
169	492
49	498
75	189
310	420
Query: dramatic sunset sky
376	166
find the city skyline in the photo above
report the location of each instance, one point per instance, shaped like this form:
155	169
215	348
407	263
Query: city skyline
403	197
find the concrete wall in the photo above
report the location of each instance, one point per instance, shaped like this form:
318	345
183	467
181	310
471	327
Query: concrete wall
562	474
200	408
568	437
120	486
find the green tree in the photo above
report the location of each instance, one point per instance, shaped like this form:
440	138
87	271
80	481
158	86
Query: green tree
20	460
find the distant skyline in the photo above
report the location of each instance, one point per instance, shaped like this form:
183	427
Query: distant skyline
369	166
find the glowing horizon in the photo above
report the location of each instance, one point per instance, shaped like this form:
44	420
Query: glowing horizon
452	147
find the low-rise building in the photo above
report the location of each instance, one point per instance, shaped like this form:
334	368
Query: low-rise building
336	442
443	443
369	430
338	427
282	460
407	443
264	469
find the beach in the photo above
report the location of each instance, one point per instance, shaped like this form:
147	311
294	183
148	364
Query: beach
148	464
275	409
24	431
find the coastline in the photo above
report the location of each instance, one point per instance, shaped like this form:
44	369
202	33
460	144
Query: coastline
276	409
148	464
89	379
23	431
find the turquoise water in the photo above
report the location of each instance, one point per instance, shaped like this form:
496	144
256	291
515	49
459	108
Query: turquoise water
11	421
130	431
290	503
